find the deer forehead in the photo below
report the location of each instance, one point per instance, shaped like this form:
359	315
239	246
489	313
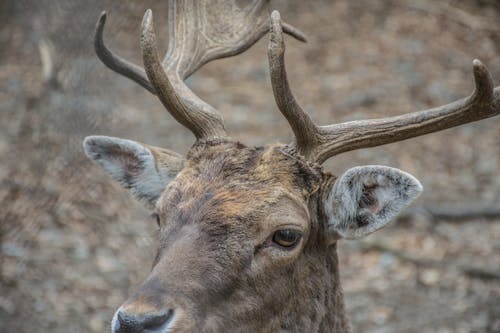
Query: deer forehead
235	183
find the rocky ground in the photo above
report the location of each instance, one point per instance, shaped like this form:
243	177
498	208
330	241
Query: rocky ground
73	245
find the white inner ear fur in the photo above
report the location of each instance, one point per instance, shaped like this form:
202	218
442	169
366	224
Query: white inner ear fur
130	163
366	198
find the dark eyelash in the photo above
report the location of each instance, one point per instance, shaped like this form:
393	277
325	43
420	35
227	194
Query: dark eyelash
156	217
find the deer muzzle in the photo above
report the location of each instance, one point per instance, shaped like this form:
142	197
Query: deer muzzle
128	321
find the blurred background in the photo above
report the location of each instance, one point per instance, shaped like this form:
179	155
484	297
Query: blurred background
74	245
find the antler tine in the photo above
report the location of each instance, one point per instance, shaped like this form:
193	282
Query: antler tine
203	120
483	103
116	63
318	143
294	32
138	75
241	29
199	31
303	127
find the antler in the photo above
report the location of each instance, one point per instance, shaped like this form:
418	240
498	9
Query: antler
199	31
318	143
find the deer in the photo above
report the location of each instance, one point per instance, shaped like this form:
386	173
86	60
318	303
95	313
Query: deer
248	235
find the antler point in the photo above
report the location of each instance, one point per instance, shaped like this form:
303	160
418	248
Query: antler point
148	17
147	22
101	21
276	37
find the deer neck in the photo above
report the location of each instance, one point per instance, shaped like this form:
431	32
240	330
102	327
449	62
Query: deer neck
335	319
319	304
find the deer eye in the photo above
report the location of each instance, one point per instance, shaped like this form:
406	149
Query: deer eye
287	237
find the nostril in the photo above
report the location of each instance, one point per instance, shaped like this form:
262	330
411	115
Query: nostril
153	322
158	321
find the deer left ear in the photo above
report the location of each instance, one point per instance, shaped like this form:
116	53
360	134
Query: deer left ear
366	198
144	170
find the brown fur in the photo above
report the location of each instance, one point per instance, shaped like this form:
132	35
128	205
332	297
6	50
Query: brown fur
217	266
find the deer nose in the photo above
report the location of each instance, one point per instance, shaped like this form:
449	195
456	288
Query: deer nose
125	322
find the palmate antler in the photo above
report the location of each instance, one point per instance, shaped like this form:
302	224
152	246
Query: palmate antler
199	31
318	143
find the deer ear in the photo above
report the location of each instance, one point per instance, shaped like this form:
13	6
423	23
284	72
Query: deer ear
364	199
144	170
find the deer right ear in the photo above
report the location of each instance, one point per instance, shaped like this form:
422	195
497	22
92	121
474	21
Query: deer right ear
144	170
366	198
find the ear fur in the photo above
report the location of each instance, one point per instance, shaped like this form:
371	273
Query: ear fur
366	198
144	170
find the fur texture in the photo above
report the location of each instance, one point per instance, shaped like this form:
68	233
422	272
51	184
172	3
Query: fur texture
218	266
366	198
145	170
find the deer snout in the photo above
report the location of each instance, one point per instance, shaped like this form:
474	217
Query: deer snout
126	320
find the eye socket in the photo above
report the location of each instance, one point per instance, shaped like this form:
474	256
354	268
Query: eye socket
287	237
156	217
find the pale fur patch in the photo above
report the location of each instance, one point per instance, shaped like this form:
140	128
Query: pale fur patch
130	163
115	325
366	198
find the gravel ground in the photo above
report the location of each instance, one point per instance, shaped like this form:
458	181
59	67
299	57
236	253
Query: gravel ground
73	245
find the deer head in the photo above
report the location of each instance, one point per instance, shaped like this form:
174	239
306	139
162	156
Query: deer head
248	234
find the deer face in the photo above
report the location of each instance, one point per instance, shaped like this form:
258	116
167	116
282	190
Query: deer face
230	221
245	234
